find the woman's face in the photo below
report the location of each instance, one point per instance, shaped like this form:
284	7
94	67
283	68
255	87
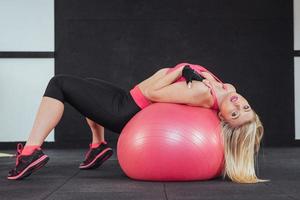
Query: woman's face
235	110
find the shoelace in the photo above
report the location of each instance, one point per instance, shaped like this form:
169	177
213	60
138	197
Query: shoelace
19	151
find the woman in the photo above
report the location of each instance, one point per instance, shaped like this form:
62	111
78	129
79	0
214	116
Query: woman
105	105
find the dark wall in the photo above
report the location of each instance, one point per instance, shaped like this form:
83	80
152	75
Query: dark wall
246	43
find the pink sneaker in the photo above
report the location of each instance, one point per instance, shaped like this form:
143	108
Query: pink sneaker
95	157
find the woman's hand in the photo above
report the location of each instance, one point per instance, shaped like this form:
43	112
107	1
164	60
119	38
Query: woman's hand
190	74
206	81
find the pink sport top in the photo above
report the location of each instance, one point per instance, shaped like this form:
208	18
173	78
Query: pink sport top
143	102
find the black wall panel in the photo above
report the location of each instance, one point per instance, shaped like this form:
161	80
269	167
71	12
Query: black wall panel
246	43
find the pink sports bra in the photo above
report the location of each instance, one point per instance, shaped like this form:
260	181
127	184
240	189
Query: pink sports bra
143	102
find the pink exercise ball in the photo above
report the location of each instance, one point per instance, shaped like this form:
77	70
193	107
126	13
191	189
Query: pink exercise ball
172	142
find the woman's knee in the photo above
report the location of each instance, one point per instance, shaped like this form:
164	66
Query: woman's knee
55	87
62	80
58	78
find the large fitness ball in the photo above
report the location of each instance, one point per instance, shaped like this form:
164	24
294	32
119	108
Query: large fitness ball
172	142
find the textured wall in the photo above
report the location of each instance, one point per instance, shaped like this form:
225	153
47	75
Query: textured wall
246	43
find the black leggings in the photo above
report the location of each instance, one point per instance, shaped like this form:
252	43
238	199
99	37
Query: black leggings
104	103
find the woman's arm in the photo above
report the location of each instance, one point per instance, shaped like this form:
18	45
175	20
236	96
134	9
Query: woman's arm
166	79
161	87
178	92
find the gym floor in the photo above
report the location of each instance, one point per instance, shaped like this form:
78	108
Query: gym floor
61	179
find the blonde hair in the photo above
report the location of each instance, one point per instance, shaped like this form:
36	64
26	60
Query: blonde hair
241	146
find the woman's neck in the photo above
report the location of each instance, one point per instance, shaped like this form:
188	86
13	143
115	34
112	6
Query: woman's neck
222	93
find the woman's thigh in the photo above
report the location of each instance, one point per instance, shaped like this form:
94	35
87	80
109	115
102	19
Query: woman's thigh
99	100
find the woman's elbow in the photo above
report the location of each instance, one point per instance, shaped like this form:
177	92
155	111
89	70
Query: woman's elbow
152	95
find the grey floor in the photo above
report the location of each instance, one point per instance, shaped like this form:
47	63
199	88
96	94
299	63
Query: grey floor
61	179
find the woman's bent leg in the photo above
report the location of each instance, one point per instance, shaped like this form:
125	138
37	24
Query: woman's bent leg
103	103
98	100
99	150
82	94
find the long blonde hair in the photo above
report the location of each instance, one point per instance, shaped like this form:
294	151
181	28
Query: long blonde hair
241	146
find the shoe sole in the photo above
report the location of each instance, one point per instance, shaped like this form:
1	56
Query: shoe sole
36	165
98	160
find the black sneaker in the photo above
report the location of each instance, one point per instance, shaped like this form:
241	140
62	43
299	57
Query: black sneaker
26	165
96	156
